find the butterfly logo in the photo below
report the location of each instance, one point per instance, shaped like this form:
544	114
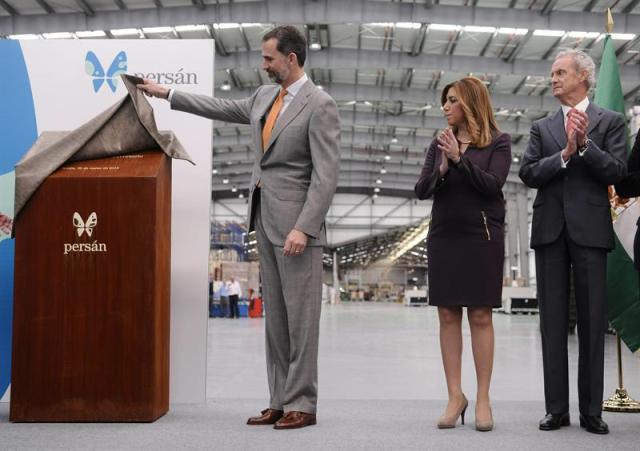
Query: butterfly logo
82	226
93	68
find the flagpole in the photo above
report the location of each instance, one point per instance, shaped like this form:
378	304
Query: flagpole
620	401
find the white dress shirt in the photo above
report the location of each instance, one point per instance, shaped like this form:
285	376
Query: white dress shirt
234	288
581	106
292	90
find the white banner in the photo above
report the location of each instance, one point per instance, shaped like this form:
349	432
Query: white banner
73	80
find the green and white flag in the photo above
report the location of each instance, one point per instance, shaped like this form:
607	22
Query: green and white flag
623	283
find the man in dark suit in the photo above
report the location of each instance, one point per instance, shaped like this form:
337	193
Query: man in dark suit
630	187
572	157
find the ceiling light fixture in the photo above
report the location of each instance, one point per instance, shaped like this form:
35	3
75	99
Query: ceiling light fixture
24	36
158	30
91	34
477	29
518	31
61	35
182	28
549	33
380	24
226	26
415	237
622	36
583	34
408	25
444	27
125	31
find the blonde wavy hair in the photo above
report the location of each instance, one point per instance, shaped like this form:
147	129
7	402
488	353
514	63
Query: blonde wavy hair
475	100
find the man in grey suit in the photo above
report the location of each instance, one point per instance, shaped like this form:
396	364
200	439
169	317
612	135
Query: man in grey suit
572	158
296	135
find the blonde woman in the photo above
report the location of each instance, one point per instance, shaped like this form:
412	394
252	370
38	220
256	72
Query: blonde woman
464	171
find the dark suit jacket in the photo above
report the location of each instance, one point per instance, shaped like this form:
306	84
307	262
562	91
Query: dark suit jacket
630	187
575	196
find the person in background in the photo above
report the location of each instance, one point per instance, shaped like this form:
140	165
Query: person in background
234	295
211	299
464	171
224	299
572	157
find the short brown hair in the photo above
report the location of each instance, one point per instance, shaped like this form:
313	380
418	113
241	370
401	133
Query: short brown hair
290	40
475	100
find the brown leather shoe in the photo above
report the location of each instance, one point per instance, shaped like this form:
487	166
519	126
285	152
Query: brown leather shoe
295	420
269	416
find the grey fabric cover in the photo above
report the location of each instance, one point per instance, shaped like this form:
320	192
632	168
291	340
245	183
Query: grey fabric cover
126	127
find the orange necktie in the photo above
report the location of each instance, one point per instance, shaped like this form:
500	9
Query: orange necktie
271	119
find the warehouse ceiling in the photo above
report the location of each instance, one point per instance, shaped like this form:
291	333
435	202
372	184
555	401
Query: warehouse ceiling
384	62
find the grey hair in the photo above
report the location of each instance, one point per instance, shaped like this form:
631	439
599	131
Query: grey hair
582	62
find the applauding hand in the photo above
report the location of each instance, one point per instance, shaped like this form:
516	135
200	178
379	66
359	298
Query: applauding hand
572	146
579	123
448	144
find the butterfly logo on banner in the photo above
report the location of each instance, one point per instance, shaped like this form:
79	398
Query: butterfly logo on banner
82	226
95	69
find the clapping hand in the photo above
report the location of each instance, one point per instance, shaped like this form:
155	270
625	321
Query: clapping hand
448	144
579	123
572	146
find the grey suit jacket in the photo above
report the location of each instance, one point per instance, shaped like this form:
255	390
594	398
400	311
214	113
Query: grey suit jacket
298	171
578	194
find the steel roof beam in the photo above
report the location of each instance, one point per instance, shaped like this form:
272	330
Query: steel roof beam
352	59
346	92
10	9
326	12
46	7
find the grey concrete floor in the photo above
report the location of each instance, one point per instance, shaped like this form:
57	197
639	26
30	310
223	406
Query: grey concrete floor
389	351
381	387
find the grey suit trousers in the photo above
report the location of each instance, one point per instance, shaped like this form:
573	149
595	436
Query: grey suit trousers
292	290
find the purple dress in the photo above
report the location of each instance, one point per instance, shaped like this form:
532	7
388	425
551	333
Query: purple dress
465	244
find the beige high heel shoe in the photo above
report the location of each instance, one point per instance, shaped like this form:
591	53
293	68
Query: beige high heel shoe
450	422
485	426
